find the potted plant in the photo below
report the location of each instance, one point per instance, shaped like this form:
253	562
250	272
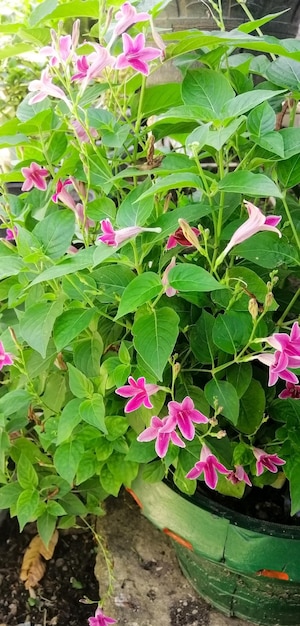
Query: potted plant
154	256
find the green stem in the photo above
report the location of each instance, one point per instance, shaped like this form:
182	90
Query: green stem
139	118
288	308
292	225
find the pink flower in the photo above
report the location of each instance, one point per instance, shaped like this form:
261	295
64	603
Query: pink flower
81	218
278	362
92	66
5	357
34	177
256	222
209	465
63	195
81	132
289	344
82	67
169	291
44	87
179	238
265	460
127	16
163	430
11	233
139	392
60	50
239	475
114	238
184	414
291	391
135	54
100	619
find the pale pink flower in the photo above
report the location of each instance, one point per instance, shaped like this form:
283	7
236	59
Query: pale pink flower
139	391
184	414
265	460
169	291
81	132
256	222
34	177
163	430
82	66
5	357
135	54
100	619
81	218
92	66
114	238
239	475
179	238
63	195
11	233
209	466
60	50
44	87
291	391
127	16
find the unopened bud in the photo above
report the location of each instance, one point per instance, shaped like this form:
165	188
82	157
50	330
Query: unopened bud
221	434
253	308
176	369
188	233
269	300
75	33
158	40
213	421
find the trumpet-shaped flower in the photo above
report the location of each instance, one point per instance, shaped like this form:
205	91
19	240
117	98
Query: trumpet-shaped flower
239	475
92	66
135	54
44	87
163	430
114	238
169	291
100	619
179	238
278	363
265	460
60	50
291	391
81	217
209	466
81	132
289	344
63	195
5	357
127	16
139	391
184	414
34	177
82	66
11	233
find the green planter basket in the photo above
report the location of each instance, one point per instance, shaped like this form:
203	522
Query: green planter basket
243	566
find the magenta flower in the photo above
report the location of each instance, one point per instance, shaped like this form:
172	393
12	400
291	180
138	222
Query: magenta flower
82	66
278	362
60	50
256	222
100	619
11	233
44	87
92	66
135	54
5	357
114	238
163	430
139	392
290	391
127	16
184	414
265	460
34	177
209	465
63	195
289	344
169	291
239	475
81	132
179	238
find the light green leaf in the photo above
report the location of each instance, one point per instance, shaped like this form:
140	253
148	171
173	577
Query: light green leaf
208	90
26	473
155	335
132	212
55	232
246	101
69	325
251	184
261	120
27	506
284	72
66	459
289	171
267	250
9	494
87	355
92	412
173	181
226	396
68	420
37	323
79	261
80	385
41	11
190	277
141	289
46	526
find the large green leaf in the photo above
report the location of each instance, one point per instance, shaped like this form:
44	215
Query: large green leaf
66	459
69	325
289	171
250	184
141	289
261	120
207	89
74	263
154	336
226	396
173	181
92	412
240	376
55	233
285	73
190	277
68	420
267	250
252	406
37	323
41	11
26	507
201	341
232	331
87	355
246	101
80	385
132	212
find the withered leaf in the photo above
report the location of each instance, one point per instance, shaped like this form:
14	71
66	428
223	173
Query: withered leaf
33	566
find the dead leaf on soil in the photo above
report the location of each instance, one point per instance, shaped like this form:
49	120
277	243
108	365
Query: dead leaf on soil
33	567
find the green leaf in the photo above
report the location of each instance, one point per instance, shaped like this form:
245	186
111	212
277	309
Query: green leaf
155	335
125	471
66	459
217	138
110	483
141	289
80	385
68	420
14	401
9	494
79	261
37	323
267	250
252	407
92	412
140	452
190	277
207	89
226	396
201	341
251	280
249	27
240	375
55	233
158	99
57	146
154	472
294	481
289	171
246	101
261	120
55	392
291	139
41	11
248	183
11	265
7	52
27	506
285	73
86	467
46	524
27	111
111	281
87	355
69	325
232	330
272	142
27	476
173	181
77	8
116	426
132	212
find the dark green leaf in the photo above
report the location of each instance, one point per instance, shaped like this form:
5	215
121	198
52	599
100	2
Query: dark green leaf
226	396
252	406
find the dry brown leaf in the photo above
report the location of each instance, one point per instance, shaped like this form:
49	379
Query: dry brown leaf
33	566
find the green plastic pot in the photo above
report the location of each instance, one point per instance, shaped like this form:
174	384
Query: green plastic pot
243	566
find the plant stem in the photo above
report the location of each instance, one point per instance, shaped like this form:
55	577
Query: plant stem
139	118
292	225
288	308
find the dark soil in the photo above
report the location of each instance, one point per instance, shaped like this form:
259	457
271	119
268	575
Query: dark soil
68	580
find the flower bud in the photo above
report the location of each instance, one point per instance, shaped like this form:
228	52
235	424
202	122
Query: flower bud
269	300
253	308
221	434
188	233
213	421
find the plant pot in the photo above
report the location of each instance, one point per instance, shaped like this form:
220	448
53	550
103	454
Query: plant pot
244	567
184	14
